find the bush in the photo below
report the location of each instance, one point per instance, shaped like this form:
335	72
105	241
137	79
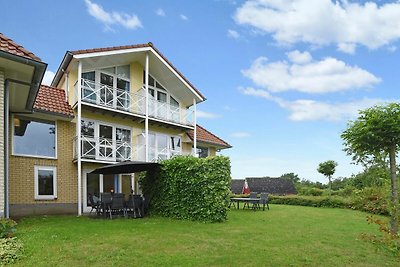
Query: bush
388	240
11	250
311	191
7	228
190	188
371	199
311	201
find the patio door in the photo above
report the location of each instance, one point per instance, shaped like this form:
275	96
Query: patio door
106	143
106	90
95	184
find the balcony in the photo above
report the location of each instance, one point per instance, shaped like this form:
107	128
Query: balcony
134	103
103	149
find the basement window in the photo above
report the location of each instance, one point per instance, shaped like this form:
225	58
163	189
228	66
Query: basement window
45	183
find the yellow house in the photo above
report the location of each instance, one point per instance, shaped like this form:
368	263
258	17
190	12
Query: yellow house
104	106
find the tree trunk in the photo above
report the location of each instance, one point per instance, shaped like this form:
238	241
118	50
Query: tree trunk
330	186
394	220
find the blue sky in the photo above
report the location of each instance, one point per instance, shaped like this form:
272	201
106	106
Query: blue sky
282	78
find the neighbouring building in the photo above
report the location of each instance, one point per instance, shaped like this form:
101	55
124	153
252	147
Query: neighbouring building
104	106
270	185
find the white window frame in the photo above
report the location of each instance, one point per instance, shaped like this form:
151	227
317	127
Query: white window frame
169	147
114	139
97	74
166	91
46	168
35	156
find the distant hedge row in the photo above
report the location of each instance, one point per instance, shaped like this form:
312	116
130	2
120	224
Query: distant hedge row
190	188
371	200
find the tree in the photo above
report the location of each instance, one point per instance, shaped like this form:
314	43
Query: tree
292	177
370	138
327	168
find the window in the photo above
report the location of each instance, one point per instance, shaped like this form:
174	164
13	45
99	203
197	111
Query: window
88	141
45	182
175	144
34	137
202	152
104	141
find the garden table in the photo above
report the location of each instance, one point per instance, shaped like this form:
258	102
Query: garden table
246	200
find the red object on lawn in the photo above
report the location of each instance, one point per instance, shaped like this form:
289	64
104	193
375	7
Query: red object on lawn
246	189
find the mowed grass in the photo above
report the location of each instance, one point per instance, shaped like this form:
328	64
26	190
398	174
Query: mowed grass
282	236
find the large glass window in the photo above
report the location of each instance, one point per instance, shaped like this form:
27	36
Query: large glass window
34	137
202	152
45	182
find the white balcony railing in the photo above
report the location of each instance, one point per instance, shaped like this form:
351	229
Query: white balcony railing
120	100
102	149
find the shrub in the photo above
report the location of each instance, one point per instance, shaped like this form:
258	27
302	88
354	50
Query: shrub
371	199
11	250
311	191
311	201
388	239
190	188
7	227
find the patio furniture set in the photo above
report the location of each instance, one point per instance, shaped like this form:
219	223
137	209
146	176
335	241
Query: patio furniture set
252	201
114	205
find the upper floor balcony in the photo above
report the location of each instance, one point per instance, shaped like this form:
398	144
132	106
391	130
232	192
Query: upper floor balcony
108	150
116	99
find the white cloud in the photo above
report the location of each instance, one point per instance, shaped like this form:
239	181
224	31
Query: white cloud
112	18
183	17
323	22
299	57
310	110
48	77
240	134
160	12
327	75
347	48
206	115
233	34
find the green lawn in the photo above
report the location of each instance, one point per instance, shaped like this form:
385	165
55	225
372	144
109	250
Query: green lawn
282	236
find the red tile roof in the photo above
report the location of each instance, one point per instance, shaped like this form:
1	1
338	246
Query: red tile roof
207	137
52	100
114	48
8	45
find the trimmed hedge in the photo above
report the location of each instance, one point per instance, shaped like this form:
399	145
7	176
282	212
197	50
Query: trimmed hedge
312	201
190	188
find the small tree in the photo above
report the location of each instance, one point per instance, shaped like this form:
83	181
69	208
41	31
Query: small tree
369	139
327	168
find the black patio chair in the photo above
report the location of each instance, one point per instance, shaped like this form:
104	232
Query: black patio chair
95	205
105	203
117	206
263	201
135	206
247	203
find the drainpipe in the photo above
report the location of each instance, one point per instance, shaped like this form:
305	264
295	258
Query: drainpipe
146	123
78	133
195	128
6	149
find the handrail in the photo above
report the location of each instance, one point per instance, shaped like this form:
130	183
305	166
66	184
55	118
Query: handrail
105	149
121	100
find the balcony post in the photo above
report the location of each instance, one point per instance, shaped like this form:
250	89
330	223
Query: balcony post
195	128
79	142
146	124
